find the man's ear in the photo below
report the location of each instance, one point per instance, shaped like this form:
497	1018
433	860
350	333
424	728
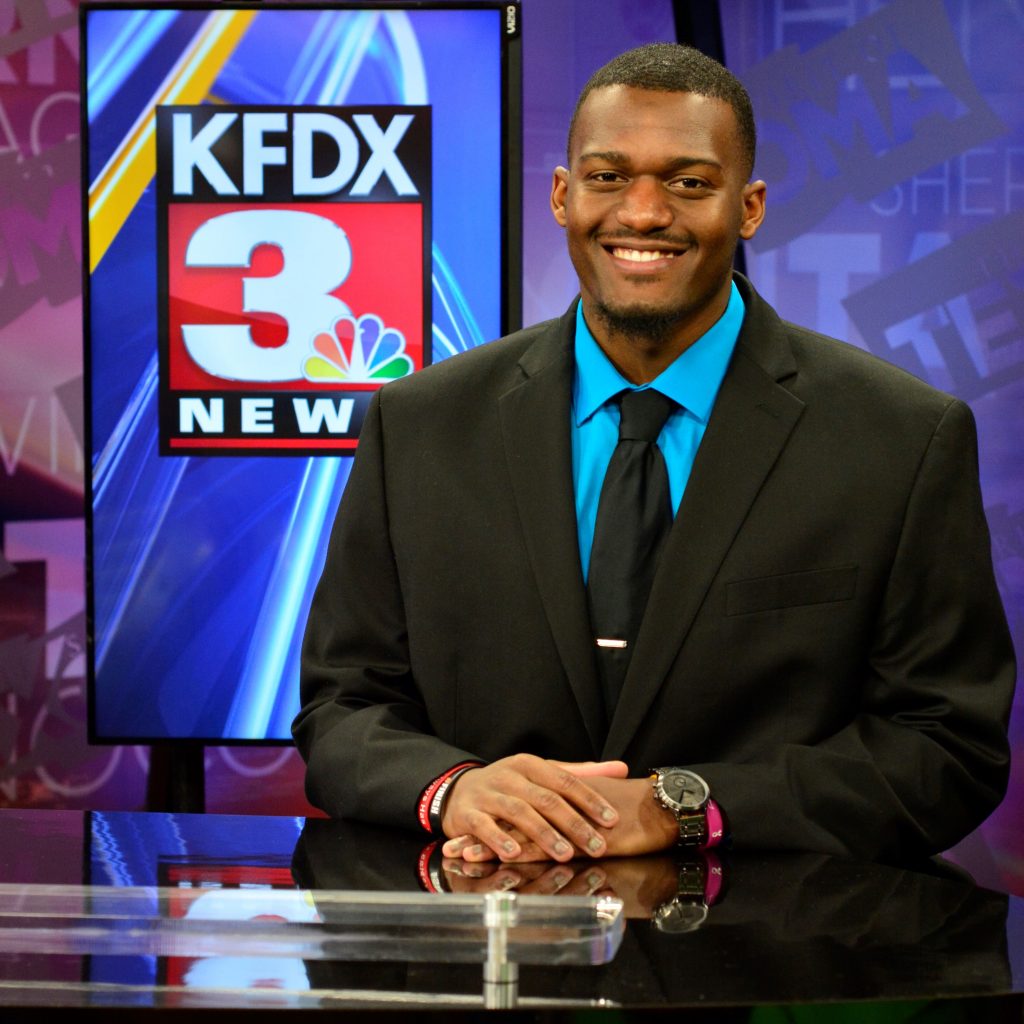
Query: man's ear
753	208
559	185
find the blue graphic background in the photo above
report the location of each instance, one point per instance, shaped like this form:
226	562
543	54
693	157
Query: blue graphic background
203	568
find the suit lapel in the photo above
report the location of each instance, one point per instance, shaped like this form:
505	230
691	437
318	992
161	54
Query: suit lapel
535	428
749	427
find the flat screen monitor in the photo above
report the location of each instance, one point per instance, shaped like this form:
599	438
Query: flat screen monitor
288	205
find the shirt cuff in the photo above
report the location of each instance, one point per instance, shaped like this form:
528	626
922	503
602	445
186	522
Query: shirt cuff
715	823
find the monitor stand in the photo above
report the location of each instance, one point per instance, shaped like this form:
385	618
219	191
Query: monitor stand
177	780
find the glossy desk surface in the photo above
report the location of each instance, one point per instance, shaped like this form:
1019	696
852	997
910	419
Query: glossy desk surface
784	929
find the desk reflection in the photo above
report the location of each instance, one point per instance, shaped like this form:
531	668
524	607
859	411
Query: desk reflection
779	927
752	929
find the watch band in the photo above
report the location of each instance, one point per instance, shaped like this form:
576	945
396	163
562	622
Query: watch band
693	827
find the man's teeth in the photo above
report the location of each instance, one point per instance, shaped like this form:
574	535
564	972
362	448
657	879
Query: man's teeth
642	255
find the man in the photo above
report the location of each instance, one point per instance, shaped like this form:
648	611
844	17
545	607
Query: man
822	661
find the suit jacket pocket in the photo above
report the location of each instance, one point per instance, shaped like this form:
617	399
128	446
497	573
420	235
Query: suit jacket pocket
815	586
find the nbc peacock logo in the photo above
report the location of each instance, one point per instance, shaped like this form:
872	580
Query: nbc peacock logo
358	351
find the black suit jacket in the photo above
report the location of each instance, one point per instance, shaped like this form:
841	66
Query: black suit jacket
824	641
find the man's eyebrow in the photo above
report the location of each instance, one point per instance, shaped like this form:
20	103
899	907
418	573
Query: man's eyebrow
680	163
611	156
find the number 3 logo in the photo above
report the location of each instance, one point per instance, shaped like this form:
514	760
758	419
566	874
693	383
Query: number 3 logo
317	259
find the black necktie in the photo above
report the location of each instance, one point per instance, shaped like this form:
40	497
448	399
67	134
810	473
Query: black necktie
634	515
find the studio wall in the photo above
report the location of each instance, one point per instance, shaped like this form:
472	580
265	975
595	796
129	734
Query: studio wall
893	146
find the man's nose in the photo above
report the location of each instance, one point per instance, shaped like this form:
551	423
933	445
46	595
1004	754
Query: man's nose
645	206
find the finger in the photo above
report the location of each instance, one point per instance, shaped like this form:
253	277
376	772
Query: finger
491	840
475	831
587	881
586	769
551	882
571	806
529	851
479	852
527	872
539	815
453	847
456	866
560	778
502	880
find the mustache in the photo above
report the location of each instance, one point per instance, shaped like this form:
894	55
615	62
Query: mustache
665	238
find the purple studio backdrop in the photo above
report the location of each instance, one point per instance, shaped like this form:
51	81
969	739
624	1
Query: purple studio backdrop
893	148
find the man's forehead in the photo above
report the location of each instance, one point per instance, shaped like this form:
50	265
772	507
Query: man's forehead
620	111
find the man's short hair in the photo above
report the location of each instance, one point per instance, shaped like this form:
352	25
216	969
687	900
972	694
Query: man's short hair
670	67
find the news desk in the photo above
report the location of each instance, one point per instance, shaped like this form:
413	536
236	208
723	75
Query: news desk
111	915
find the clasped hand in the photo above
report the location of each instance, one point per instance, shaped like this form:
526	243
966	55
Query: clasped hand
642	883
527	808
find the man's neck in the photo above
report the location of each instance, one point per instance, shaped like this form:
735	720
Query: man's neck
639	360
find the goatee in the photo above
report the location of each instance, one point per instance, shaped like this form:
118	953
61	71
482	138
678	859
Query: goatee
639	324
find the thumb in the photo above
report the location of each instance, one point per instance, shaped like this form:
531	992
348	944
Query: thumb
607	769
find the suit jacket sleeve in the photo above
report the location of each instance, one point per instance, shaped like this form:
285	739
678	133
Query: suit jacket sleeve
926	758
363	729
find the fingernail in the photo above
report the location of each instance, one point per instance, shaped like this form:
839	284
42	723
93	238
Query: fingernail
509	846
607	814
561	847
594	844
594	880
508	883
561	878
475	851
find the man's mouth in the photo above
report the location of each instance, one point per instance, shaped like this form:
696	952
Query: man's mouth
641	255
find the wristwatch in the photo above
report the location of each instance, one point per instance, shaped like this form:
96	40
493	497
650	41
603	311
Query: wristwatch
686	795
698	887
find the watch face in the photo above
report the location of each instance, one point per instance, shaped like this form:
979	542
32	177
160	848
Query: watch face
680	915
684	788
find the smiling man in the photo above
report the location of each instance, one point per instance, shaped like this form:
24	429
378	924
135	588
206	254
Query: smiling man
653	207
667	569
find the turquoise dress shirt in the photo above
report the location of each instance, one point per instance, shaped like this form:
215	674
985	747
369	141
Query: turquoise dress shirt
692	381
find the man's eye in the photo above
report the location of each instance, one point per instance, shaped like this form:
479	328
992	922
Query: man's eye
689	183
605	176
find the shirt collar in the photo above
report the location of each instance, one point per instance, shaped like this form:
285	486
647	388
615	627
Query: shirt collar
692	380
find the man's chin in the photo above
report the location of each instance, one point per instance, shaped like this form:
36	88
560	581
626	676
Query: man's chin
640	322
